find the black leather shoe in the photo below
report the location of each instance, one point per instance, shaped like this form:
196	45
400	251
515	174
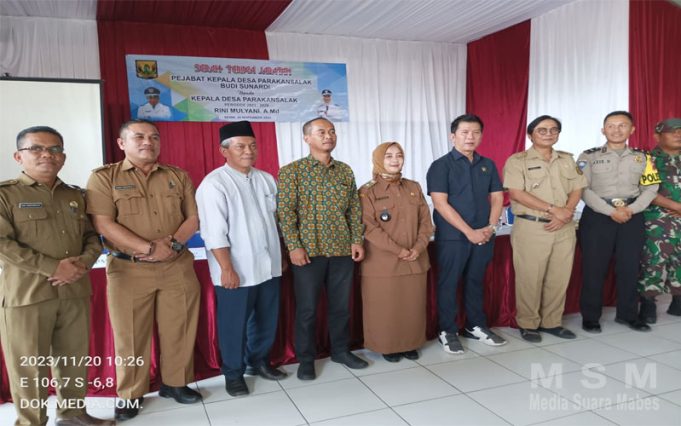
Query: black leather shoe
393	357
561	332
530	335
412	355
236	387
591	326
306	371
636	324
648	310
675	306
181	394
350	360
126	409
269	373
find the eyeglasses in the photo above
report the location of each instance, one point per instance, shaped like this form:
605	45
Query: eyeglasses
242	148
544	131
39	149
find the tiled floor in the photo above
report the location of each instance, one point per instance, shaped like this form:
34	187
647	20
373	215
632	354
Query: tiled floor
617	377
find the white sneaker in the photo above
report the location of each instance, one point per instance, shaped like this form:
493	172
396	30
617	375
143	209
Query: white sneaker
484	335
450	343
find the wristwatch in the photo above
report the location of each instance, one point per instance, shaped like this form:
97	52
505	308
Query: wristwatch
176	245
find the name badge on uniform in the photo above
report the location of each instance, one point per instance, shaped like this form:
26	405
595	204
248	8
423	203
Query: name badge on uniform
124	187
385	216
30	205
534	168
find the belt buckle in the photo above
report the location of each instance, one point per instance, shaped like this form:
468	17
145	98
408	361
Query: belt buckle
618	202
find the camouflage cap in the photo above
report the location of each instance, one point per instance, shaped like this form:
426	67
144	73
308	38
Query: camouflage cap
668	125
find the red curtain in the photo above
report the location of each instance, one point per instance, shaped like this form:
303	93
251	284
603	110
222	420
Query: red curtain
496	89
654	66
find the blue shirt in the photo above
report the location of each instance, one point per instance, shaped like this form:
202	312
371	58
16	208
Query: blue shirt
468	185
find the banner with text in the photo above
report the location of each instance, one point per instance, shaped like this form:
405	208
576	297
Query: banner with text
185	88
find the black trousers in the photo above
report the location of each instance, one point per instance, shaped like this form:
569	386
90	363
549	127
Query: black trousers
601	238
334	273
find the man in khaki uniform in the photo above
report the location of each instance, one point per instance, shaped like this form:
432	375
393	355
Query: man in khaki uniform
146	212
545	186
47	246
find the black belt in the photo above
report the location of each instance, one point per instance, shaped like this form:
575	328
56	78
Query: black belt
533	218
123	256
619	202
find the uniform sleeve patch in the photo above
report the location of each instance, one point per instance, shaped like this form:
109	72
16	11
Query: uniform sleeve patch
581	164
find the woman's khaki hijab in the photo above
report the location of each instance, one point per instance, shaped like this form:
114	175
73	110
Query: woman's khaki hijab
377	159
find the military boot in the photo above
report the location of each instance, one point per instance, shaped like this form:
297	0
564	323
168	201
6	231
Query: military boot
675	306
648	312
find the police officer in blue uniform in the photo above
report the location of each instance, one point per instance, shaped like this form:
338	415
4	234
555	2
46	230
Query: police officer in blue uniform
468	198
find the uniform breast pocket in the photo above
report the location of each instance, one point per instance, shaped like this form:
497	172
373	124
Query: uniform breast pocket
385	210
128	202
173	202
635	172
271	202
601	168
31	224
535	178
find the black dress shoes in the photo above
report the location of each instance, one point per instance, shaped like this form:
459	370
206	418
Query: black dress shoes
591	326
126	409
648	310
412	355
395	357
306	371
350	360
266	372
236	387
181	394
636	324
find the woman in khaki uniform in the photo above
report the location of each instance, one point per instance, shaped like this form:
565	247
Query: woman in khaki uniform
397	231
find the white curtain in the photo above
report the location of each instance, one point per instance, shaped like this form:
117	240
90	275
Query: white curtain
49	47
403	91
579	68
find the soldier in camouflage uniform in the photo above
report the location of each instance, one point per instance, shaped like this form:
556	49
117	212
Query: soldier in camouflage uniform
661	260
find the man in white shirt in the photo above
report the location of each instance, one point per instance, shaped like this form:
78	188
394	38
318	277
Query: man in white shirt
237	206
153	109
329	110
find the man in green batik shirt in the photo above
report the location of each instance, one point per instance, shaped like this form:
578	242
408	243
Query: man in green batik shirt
320	218
661	260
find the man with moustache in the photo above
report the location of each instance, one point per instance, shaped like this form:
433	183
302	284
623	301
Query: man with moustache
237	211
320	218
47	247
146	212
661	261
619	189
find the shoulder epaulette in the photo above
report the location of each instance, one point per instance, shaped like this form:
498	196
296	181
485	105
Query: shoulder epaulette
641	150
9	182
369	184
106	166
592	150
569	154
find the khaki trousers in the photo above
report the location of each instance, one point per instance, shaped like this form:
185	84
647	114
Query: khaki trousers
138	294
543	264
53	333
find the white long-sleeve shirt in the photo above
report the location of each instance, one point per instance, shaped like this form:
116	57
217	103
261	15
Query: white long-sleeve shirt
238	211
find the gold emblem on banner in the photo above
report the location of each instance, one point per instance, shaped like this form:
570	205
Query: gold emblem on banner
146	69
